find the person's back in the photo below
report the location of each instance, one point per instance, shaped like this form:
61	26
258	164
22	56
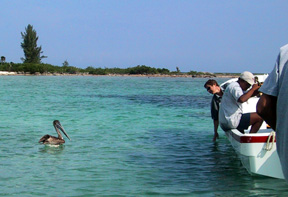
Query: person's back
275	91
230	111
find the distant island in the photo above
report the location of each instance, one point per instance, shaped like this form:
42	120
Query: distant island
140	70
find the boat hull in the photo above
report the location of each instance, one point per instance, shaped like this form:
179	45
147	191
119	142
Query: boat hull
252	150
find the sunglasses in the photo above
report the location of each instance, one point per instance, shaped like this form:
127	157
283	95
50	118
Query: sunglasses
208	88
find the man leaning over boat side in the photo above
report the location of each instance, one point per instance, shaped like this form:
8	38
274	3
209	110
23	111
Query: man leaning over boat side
213	88
272	105
231	114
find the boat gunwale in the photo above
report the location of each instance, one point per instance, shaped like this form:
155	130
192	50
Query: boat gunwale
249	138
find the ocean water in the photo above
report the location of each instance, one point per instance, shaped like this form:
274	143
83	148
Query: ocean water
130	136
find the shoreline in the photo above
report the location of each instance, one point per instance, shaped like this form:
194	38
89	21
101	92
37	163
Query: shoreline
6	73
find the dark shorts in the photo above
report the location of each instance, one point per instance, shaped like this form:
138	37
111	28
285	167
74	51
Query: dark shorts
244	122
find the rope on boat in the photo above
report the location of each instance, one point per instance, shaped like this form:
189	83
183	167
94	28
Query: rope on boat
269	145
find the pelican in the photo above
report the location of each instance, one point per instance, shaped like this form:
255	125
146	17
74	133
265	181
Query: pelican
49	139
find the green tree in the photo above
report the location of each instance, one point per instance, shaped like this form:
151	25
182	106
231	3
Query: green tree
65	63
32	52
3	59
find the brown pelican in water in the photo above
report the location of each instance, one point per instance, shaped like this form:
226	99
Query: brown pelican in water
48	139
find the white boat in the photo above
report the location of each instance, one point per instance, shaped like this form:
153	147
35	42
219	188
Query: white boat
257	151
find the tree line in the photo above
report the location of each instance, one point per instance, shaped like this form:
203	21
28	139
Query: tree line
42	68
32	63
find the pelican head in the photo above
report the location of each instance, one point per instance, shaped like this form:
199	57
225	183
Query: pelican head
48	139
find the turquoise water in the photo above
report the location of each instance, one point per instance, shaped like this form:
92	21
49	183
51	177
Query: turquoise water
130	136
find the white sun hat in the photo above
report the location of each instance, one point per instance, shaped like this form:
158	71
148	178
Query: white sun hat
248	77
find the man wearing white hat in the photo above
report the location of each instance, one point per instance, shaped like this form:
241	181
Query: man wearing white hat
231	114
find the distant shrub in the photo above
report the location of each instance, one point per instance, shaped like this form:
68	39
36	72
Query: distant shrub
142	70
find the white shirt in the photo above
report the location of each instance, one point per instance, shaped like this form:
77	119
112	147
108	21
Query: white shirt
230	109
276	84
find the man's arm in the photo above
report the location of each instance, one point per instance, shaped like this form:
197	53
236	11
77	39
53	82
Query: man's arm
216	124
266	108
249	93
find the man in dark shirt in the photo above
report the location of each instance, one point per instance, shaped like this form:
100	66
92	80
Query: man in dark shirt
213	88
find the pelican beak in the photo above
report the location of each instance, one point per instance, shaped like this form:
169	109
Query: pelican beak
59	126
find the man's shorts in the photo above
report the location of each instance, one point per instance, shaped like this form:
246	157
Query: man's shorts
244	122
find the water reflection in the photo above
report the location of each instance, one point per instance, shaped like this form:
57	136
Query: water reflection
200	166
236	179
53	150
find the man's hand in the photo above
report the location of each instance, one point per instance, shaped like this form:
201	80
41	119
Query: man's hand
216	136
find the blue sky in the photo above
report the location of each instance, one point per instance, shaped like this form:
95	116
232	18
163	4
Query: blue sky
198	35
